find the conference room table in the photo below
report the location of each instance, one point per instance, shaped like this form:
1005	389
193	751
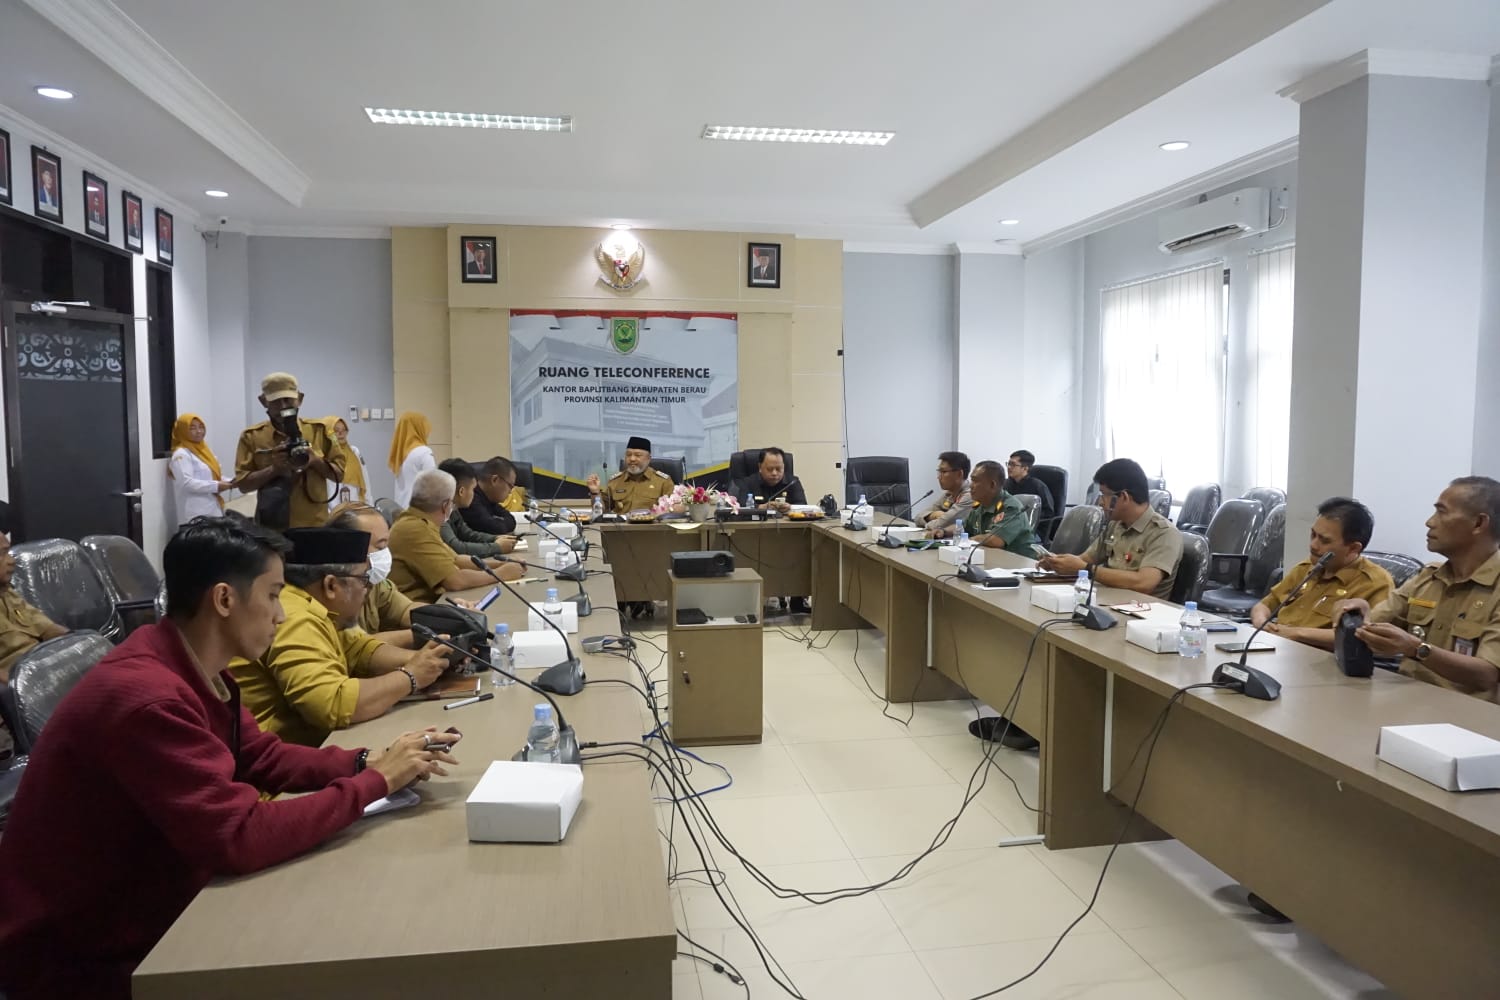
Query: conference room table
403	905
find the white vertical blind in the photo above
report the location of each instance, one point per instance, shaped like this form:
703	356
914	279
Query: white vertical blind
1269	353
1162	344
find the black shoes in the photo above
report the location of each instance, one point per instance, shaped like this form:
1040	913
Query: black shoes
1011	736
800	606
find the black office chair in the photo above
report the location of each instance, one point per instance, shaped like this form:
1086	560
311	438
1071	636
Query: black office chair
525	477
1192	571
1251	571
128	576
884	480
1401	568
10	780
1091	495
1230	534
1056	479
1198	508
43	676
1161	502
1031	506
1269	497
389	509
1080	527
1156	484
57	578
676	468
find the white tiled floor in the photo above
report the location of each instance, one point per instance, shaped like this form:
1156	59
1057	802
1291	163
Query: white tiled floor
838	795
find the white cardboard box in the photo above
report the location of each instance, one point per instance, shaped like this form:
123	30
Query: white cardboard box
538	650
519	802
1057	598
566	619
1157	636
1446	755
955	556
565	530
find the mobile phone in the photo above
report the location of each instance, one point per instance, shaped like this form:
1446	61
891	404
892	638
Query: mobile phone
1041	553
488	599
1239	647
1220	626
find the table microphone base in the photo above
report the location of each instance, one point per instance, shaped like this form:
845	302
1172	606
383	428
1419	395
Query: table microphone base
567	748
585	606
885	541
564	678
1096	619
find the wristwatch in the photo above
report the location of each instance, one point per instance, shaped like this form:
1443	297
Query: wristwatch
1422	651
361	760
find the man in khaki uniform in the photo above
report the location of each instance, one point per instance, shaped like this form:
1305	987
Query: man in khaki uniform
292	487
21	625
1342	530
958	498
1142	549
1445	621
423	567
638	487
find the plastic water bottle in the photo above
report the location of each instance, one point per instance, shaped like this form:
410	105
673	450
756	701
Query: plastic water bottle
1192	637
963	539
502	657
551	606
598	507
541	740
1081	593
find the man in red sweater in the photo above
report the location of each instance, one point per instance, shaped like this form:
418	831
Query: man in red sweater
146	782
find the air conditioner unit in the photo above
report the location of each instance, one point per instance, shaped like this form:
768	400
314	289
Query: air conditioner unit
1243	213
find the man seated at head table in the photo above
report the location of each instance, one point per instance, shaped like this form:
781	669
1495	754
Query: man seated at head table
320	673
638	487
150	779
769	486
492	510
422	566
957	499
1445	621
1141	549
998	521
457	534
1342	530
386	613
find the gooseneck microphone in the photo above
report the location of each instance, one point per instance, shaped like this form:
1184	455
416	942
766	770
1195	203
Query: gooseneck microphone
1246	679
1094	618
563	678
885	541
574	571
567	740
849	525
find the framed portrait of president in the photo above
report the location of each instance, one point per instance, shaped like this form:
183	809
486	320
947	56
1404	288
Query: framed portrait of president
477	260
764	261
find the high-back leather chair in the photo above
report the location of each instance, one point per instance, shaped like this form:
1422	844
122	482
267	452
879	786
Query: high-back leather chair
1161	502
1031	506
1198	508
56	577
746	463
884	480
1157	483
128	576
1056	478
1079	528
1254	569
676	468
389	509
1192	570
1401	568
43	676
1269	497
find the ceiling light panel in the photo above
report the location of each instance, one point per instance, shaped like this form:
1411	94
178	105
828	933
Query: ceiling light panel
464	119
841	137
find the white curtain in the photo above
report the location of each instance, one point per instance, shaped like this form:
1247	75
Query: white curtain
1269	353
1162	344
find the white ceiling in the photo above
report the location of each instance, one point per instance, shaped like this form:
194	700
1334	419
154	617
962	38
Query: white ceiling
1000	109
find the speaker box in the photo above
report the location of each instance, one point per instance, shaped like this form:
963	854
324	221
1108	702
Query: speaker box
702	564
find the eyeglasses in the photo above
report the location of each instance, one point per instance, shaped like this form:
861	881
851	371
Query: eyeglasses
363	578
944	472
1013	464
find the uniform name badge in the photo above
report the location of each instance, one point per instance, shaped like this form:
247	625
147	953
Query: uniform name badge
1464	647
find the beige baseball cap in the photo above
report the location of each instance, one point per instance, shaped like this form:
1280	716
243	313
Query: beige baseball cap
279	385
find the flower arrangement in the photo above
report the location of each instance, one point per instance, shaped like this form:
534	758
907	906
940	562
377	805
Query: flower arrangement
684	496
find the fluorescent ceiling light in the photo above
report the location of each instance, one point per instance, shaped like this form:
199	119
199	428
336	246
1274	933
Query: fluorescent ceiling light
56	93
750	133
1175	146
461	119
216	193
623	227
1010	222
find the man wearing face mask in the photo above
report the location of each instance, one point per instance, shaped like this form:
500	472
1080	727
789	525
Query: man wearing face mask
320	673
294	466
423	568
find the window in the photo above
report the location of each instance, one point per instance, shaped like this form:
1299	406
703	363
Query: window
1269	353
161	358
1162	354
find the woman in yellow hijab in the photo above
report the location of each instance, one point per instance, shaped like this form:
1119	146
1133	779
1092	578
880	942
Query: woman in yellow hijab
355	487
197	481
410	456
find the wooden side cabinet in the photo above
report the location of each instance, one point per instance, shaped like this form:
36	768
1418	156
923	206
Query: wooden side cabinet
715	690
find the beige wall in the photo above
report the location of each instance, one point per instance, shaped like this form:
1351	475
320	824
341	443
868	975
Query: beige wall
790	378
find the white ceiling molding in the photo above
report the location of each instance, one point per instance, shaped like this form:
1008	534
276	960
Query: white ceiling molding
1183	55
1386	62
76	154
118	42
322	232
921	249
992	249
1265	159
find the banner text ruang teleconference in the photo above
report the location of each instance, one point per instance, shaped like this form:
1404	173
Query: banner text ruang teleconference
600	384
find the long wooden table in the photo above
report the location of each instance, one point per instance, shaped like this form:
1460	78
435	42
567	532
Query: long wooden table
402	905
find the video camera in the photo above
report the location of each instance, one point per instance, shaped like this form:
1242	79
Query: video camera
284	419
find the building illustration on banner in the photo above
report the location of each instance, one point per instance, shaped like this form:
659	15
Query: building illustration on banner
582	383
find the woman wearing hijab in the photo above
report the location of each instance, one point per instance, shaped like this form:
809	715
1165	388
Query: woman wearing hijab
354	488
197	481
410	456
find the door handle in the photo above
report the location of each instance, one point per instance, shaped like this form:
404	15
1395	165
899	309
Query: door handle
131	495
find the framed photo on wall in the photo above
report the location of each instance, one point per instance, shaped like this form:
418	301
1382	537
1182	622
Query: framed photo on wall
134	214
478	261
46	185
764	265
4	167
164	235
95	206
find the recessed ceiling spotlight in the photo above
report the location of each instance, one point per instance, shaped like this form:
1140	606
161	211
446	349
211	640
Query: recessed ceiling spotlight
216	193
55	93
1175	146
461	119
623	227
750	133
1010	222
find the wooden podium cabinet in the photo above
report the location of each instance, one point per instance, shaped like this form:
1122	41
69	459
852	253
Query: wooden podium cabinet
715	688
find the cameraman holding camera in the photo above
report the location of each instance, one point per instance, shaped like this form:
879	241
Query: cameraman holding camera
293	465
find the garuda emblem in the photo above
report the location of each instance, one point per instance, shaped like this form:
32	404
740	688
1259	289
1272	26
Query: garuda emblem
622	261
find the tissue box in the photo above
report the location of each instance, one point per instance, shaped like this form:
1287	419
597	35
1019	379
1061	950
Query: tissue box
1058	599
901	533
955	556
565	530
518	802
566	619
538	650
1157	636
1444	754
